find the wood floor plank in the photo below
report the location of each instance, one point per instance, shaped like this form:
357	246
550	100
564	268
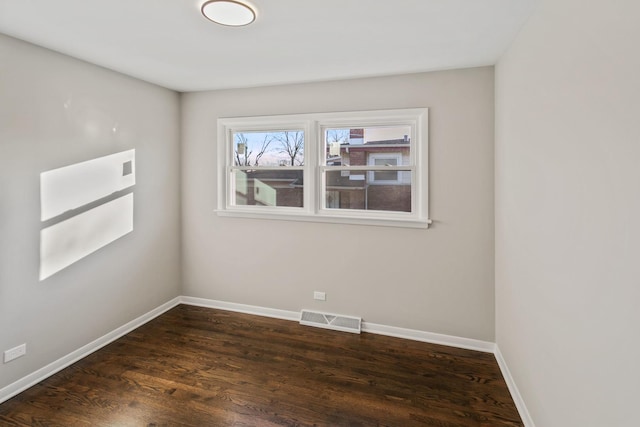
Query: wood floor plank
196	366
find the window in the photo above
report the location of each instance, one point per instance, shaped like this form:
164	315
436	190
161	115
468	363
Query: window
367	167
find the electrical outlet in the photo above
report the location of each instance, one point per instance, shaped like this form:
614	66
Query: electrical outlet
320	296
15	352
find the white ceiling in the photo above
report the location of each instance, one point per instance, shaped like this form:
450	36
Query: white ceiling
168	42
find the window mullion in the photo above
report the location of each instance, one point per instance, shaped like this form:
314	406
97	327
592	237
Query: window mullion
309	167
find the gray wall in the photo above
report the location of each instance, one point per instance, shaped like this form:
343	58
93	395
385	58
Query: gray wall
438	280
121	281
567	209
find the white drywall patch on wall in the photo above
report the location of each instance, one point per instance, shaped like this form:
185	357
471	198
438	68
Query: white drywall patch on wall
74	186
68	241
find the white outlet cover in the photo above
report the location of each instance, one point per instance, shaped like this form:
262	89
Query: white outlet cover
320	296
15	352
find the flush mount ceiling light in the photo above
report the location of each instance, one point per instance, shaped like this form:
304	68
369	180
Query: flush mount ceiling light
228	12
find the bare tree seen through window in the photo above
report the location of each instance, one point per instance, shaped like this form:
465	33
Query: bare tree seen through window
292	144
243	152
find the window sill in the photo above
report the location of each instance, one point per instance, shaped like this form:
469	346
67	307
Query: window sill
333	219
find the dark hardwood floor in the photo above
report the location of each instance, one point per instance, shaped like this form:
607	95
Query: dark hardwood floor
202	367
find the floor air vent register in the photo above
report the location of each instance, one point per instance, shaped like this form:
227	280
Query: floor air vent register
336	322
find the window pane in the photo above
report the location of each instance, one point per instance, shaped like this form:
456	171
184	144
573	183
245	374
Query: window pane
270	148
268	188
353	146
356	190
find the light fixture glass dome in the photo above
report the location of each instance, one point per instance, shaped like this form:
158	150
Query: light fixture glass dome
228	12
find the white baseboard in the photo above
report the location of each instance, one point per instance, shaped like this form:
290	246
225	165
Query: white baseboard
392	331
513	389
30	380
242	308
429	337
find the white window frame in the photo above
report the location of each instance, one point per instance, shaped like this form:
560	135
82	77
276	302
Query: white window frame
315	168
